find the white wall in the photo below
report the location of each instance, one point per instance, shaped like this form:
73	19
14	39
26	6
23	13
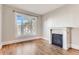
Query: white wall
75	38
66	16
9	25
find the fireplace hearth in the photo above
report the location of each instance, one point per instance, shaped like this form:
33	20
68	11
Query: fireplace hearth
57	39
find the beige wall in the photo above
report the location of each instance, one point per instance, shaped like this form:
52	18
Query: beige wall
0	23
9	26
66	16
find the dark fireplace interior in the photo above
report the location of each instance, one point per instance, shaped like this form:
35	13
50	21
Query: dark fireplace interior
57	39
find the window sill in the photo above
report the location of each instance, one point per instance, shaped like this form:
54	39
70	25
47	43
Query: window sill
21	39
26	37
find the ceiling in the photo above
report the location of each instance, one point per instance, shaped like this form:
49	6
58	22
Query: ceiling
37	8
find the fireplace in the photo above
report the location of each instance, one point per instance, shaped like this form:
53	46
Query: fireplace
57	39
61	36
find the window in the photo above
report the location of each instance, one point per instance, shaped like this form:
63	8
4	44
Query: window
26	25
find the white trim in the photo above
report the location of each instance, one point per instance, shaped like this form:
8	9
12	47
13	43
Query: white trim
75	46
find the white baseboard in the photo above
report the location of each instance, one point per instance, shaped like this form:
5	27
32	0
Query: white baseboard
75	46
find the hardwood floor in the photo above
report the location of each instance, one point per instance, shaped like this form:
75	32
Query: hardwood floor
35	47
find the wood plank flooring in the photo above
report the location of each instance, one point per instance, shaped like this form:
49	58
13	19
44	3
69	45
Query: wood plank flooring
35	47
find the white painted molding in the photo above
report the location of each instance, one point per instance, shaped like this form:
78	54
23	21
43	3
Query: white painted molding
65	48
75	46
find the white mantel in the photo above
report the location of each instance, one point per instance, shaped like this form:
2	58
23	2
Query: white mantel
66	31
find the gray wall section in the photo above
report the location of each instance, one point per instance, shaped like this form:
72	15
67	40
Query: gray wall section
0	23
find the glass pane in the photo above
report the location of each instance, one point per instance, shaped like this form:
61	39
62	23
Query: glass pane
19	24
26	25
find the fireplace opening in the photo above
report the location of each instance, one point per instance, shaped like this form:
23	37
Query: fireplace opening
57	39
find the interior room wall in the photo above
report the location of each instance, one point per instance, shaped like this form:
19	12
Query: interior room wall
75	38
0	23
66	16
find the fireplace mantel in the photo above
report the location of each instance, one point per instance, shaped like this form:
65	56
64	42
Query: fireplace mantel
66	32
